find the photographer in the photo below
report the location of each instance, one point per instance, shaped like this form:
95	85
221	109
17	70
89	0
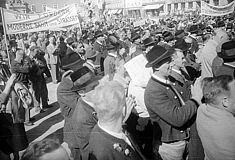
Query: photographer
37	71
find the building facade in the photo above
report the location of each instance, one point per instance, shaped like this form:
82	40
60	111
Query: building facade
182	6
41	5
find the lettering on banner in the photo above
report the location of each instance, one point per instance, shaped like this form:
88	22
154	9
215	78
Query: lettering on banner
68	19
22	16
22	23
207	9
26	26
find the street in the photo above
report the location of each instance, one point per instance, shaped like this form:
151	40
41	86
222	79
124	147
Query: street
49	123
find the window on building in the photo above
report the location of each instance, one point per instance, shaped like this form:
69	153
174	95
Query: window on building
55	6
198	4
169	7
190	5
44	8
33	8
183	6
176	6
216	2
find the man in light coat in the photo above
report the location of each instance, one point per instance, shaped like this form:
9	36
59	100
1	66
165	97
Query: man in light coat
53	59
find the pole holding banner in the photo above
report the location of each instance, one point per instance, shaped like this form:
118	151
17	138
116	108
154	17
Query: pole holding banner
5	35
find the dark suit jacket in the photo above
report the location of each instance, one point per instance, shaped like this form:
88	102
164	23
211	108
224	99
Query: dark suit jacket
169	117
101	147
218	68
83	121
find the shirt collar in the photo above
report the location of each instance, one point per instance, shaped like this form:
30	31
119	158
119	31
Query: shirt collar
193	36
177	71
69	46
112	55
90	63
117	135
162	80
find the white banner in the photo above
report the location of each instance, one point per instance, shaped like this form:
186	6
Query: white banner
16	22
210	10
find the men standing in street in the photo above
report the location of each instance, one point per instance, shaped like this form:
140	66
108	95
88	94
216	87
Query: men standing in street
20	66
107	139
215	118
168	101
53	59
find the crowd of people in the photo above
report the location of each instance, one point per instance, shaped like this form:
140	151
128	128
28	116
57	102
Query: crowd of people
162	90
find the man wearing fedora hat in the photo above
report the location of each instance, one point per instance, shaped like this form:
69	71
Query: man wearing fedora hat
168	101
72	60
100	47
224	62
209	52
77	111
135	48
90	57
193	30
109	62
167	40
148	44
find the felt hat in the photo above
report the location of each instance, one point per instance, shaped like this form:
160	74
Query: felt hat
157	55
69	41
90	52
227	50
220	24
110	47
148	42
179	34
181	44
98	34
193	29
134	36
229	26
79	73
168	36
13	43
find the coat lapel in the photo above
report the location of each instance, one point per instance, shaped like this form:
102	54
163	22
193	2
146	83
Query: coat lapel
134	145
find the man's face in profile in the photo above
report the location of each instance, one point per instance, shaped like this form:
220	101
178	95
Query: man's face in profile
58	154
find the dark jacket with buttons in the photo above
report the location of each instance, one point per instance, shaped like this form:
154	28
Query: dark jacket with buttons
103	146
170	118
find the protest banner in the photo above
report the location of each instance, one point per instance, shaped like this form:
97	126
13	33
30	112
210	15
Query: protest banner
16	22
210	10
139	23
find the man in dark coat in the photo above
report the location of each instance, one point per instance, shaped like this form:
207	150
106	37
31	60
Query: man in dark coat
224	62
21	66
78	112
71	60
167	98
107	139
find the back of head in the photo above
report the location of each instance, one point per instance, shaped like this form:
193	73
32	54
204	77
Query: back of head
214	87
109	101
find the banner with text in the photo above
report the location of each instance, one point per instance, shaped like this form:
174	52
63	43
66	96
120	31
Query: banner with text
16	22
210	10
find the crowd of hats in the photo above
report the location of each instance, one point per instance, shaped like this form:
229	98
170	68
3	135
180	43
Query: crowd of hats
166	31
